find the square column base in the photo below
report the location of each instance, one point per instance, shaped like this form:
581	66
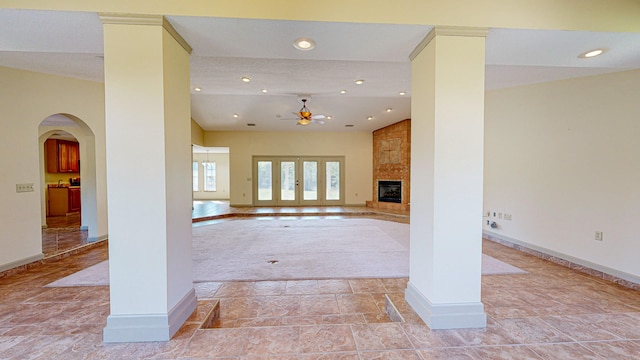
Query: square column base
150	327
446	316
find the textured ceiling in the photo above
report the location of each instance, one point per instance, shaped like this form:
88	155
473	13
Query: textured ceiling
70	44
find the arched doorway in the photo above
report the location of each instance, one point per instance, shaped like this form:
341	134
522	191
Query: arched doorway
68	200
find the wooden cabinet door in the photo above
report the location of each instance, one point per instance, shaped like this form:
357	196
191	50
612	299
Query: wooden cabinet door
51	155
63	156
74	199
74	157
68	156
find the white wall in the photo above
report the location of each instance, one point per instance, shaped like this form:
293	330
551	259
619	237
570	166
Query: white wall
357	148
222	177
26	98
563	158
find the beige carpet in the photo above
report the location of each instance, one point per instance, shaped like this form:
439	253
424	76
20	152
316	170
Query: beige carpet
308	248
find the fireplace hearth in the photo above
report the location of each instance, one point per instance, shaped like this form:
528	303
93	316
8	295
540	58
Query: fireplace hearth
390	191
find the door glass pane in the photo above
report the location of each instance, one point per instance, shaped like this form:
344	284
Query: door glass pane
333	180
265	191
310	180
287	180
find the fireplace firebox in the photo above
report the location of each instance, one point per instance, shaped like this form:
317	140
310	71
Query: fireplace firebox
390	191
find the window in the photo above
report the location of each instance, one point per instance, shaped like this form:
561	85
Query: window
195	176
209	175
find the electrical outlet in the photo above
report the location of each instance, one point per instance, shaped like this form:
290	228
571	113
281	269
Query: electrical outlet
24	188
598	235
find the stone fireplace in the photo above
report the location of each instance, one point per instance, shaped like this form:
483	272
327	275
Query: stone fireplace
392	167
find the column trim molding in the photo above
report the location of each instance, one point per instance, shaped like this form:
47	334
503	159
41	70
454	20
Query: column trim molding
446	316
144	19
150	327
465	31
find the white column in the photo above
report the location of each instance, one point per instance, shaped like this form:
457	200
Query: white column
148	140
447	132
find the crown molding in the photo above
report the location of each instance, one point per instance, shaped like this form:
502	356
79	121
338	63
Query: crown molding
448	31
143	19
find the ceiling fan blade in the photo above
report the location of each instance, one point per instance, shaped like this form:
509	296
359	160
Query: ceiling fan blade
318	117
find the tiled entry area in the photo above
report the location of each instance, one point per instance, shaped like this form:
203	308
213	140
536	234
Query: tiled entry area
550	313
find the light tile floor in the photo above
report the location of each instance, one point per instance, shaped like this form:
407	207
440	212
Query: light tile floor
550	313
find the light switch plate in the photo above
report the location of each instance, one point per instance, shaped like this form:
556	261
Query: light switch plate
24	188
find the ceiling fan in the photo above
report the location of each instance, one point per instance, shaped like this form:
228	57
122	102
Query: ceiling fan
305	117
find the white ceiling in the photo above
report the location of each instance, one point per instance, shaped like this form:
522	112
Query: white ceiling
224	50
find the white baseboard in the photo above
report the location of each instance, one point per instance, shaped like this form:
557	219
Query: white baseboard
150	327
565	259
92	239
446	316
25	261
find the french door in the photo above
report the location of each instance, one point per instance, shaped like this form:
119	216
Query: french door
298	181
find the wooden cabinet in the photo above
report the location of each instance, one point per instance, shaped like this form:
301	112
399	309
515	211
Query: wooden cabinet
74	199
62	156
63	200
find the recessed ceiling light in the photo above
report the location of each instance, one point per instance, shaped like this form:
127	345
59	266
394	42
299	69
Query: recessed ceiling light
369	117
246	79
591	53
329	117
389	110
197	89
304	44
236	115
359	82
343	91
402	93
264	91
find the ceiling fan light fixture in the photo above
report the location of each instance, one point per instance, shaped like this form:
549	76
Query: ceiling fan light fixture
304	113
304	122
304	44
